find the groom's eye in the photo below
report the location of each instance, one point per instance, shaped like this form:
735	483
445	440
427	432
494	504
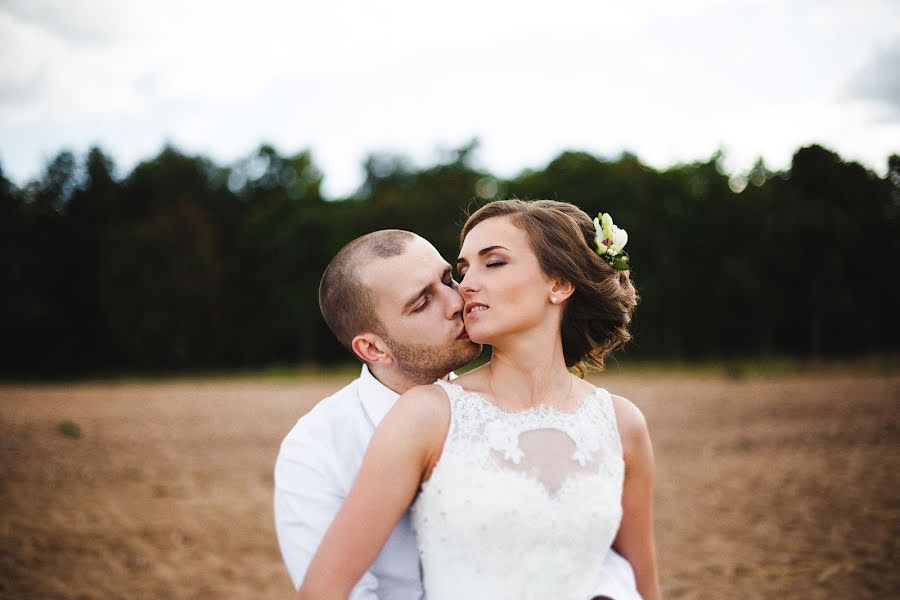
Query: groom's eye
421	306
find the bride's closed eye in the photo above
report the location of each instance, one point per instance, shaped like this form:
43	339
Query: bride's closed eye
494	263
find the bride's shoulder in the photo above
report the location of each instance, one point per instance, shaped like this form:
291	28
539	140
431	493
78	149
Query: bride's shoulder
628	414
423	406
432	393
632	424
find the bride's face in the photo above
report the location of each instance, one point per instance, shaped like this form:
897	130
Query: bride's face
504	289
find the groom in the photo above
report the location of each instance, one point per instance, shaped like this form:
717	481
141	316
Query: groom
391	299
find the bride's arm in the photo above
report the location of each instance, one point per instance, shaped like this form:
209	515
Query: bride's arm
405	445
635	540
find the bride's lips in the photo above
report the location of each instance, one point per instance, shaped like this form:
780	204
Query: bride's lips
473	309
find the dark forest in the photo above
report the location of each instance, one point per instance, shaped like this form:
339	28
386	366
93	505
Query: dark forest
185	265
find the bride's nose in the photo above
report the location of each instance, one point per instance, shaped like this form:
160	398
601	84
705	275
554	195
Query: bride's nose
469	284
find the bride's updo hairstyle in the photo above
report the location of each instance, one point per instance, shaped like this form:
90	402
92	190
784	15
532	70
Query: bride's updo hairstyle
561	235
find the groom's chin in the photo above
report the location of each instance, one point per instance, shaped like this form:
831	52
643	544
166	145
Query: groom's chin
469	352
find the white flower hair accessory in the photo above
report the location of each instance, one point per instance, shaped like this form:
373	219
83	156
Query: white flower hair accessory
610	241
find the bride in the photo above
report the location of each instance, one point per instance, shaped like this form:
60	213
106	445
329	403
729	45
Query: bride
521	475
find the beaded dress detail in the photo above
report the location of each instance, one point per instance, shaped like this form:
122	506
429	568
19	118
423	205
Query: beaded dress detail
520	505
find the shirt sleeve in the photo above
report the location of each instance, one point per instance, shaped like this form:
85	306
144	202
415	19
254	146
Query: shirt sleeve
308	495
616	579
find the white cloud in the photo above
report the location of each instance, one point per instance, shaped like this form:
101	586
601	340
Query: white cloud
879	79
90	23
670	81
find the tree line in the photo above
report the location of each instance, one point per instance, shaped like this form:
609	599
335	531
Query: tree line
184	264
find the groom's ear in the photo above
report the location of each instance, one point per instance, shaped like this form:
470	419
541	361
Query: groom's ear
371	349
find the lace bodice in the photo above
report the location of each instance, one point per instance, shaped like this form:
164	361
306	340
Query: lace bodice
520	505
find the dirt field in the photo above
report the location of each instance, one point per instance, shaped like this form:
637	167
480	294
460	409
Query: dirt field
780	487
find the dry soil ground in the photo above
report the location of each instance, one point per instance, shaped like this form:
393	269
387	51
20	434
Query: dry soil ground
782	487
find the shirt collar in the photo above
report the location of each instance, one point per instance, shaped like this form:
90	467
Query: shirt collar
376	397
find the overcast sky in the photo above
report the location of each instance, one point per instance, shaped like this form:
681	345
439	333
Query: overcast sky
671	81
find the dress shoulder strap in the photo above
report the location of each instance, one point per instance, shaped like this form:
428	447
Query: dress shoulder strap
461	399
451	389
469	413
453	392
605	417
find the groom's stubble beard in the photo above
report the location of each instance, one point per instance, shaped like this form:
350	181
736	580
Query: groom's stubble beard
426	364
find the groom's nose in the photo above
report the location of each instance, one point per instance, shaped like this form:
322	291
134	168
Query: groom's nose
455	303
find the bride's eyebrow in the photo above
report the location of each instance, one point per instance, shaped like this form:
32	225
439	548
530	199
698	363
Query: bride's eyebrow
484	251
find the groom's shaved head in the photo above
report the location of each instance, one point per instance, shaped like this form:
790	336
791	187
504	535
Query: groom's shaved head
346	303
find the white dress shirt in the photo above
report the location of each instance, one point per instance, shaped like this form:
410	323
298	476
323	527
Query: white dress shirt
315	469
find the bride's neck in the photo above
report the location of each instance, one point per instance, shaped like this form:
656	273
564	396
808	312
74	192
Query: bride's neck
529	372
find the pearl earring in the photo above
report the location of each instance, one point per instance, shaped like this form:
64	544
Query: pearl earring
554	299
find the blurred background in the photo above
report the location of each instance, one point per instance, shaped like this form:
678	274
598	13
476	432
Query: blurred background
174	177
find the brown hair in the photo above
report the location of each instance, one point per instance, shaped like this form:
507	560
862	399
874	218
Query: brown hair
346	304
597	315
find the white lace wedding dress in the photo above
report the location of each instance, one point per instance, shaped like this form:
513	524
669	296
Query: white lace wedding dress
521	505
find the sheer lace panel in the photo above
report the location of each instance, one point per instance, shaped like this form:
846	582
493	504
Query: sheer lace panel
547	455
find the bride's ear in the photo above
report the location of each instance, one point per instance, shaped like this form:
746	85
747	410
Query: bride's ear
560	290
371	349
